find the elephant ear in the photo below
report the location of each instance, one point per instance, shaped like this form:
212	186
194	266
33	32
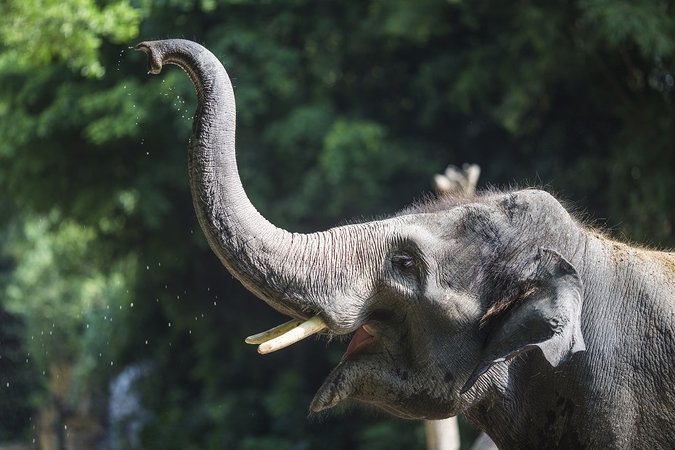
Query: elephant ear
546	316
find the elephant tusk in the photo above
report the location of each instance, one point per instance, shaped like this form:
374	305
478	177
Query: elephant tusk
286	334
273	332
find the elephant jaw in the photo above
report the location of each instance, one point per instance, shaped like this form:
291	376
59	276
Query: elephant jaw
342	381
356	377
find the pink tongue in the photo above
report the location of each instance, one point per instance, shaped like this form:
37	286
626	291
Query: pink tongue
361	336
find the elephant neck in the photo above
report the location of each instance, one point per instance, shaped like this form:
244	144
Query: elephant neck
551	415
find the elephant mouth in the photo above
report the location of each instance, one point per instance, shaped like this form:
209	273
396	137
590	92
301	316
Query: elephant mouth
361	337
332	391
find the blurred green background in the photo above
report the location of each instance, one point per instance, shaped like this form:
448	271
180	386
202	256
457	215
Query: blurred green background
118	327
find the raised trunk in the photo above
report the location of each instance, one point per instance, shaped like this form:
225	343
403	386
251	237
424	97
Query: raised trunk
280	267
246	243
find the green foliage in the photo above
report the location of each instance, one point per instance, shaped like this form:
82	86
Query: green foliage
350	151
345	109
648	25
386	434
19	384
66	294
34	33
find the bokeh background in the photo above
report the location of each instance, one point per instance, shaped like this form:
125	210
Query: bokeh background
118	327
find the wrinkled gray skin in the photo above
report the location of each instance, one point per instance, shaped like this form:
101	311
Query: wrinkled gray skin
481	306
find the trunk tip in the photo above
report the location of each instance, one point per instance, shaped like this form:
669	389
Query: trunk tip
154	56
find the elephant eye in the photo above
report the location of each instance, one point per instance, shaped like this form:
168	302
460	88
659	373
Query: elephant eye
404	262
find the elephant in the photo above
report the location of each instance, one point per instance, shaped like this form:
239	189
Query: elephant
501	305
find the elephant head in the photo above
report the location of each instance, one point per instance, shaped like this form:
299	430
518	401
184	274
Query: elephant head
438	297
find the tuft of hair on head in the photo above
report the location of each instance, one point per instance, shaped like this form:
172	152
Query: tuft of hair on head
430	203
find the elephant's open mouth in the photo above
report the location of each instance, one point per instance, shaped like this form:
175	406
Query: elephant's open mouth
332	391
361	337
294	331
